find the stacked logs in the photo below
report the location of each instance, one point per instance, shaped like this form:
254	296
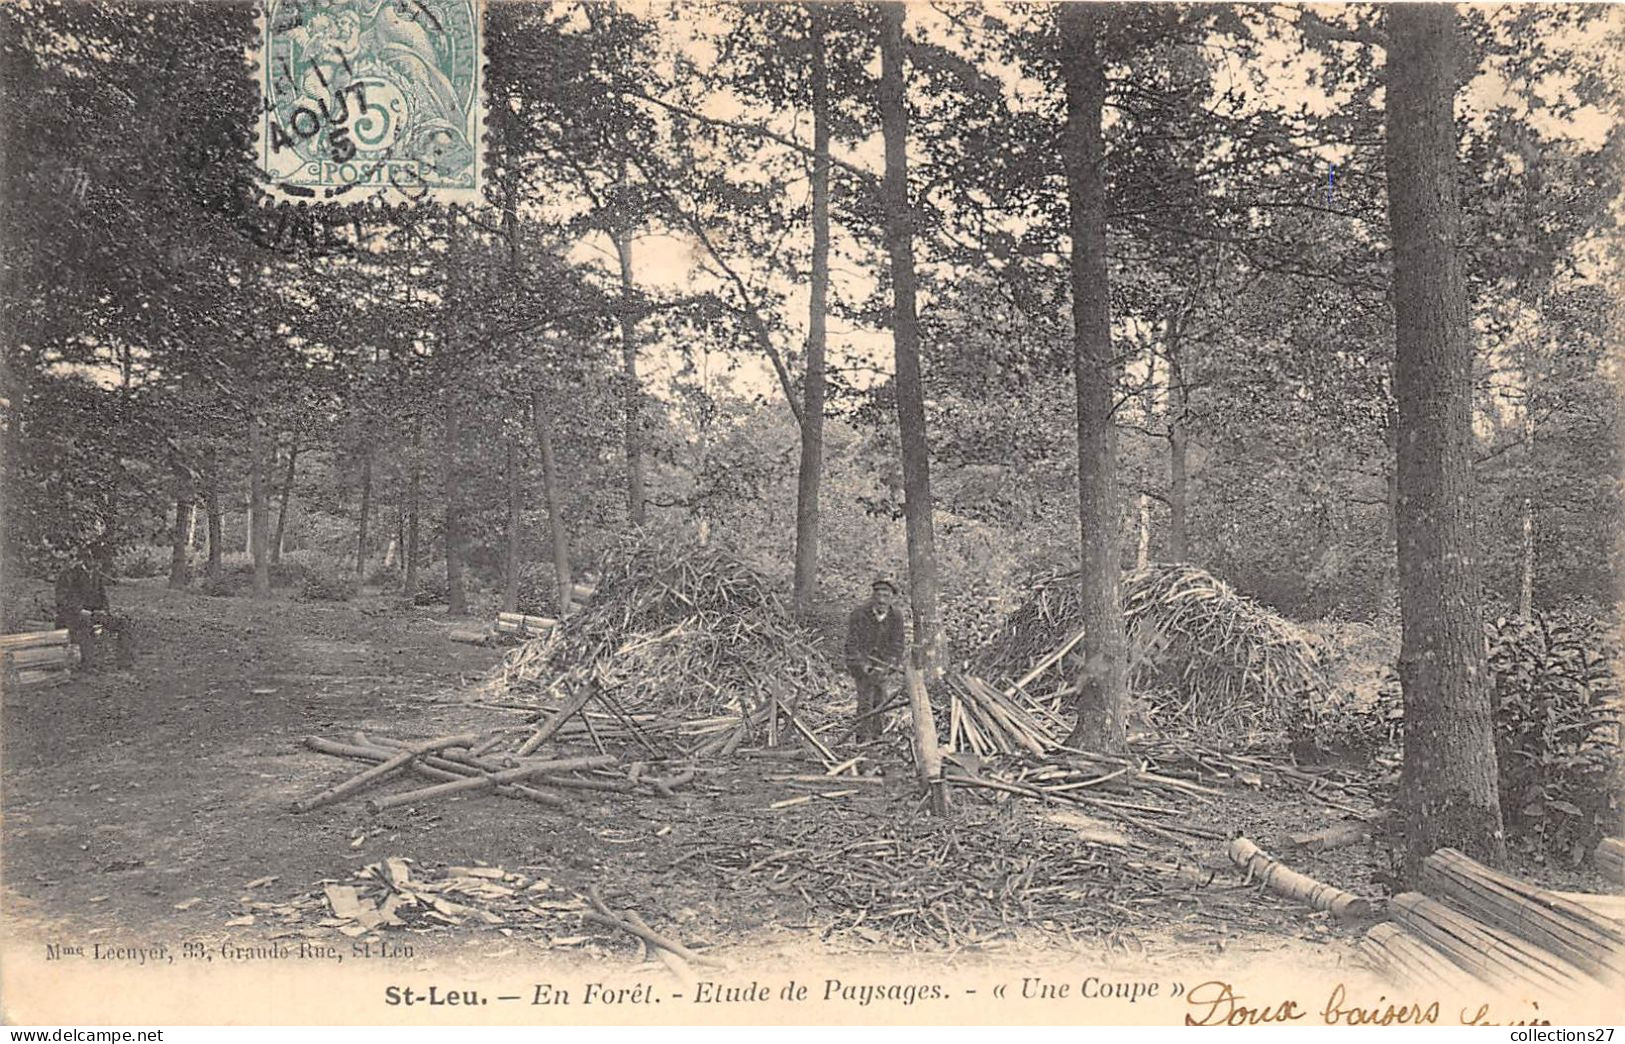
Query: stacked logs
1610	859
36	658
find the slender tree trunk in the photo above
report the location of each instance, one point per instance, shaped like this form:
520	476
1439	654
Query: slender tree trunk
1448	784
1142	551
1178	451
1102	683
366	513
414	498
456	594
282	508
510	585
1526	576
180	549
217	520
929	653
259	518
633	401
558	534
809	475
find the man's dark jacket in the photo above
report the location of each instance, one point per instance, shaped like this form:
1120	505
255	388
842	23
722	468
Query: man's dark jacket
871	644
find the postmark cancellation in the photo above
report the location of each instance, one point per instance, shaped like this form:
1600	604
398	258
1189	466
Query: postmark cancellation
362	98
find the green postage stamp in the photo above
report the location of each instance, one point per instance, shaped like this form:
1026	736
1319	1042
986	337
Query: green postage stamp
372	97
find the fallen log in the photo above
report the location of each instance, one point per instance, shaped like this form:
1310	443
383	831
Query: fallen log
1338	835
432	768
1541	918
468	637
382	769
32	639
604	915
42	657
577	700
484	781
1283	880
1489	954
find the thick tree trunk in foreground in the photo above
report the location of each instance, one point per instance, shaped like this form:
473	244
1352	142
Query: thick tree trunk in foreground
557	531
510	565
365	513
456	594
810	473
929	653
282	508
259	535
1448	785
633	399
1178	450
1102	683
180	544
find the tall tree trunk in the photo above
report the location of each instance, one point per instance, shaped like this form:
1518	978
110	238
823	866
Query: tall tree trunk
414	498
217	520
282	508
1102	682
259	518
1178	451
809	475
366	513
510	569
456	594
636	511
929	653
558	535
180	546
1526	576
1142	551
1448	783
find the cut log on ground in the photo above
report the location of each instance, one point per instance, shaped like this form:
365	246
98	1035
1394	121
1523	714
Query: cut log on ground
431	767
552	725
1541	918
383	769
486	781
32	639
521	624
468	637
1283	880
1339	835
1489	954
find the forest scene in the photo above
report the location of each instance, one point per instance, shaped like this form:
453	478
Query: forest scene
928	482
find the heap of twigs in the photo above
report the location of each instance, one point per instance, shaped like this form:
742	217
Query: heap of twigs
682	631
1230	663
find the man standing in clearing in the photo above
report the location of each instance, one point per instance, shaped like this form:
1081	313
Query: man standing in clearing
874	648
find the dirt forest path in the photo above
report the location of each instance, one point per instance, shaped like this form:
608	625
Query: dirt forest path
139	804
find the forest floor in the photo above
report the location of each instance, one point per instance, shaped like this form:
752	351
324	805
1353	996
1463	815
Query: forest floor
144	802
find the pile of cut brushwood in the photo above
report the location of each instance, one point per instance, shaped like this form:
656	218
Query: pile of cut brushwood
682	643
1226	664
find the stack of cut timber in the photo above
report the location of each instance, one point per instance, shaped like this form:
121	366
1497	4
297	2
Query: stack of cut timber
1557	925
1610	858
36	658
524	626
1497	930
986	721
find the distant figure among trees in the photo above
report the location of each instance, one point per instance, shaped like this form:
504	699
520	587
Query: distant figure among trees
874	649
82	608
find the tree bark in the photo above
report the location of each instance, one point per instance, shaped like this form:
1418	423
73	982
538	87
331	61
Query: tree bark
557	532
1448	784
259	536
414	496
217	521
1526	576
180	545
282	508
929	653
809	475
1102	681
456	594
633	399
510	570
1178	449
365	513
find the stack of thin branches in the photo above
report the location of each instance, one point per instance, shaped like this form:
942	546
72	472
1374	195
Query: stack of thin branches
1231	664
680	630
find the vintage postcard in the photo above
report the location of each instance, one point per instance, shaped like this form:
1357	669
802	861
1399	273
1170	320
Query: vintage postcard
556	513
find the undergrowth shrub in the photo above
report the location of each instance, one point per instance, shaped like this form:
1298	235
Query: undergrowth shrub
139	563
327	587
